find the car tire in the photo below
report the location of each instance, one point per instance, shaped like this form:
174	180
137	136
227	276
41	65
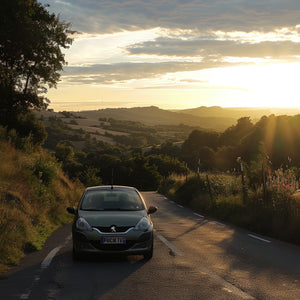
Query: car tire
148	255
75	255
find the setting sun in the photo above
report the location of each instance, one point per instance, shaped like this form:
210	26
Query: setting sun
272	85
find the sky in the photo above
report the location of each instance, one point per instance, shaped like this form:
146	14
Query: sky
178	54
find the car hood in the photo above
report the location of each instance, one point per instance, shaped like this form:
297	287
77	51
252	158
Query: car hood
108	218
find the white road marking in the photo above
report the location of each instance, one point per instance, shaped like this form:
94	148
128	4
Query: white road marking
47	261
226	285
226	290
25	296
180	206
170	246
45	264
198	215
259	238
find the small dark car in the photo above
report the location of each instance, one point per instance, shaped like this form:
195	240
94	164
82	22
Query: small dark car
112	220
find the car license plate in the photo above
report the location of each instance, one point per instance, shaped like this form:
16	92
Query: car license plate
113	240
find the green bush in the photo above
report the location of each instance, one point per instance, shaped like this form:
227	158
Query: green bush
166	185
190	189
45	170
201	202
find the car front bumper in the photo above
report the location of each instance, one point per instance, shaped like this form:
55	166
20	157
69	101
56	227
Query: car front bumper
90	242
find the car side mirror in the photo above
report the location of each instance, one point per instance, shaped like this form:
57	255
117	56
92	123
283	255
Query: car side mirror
71	210
151	210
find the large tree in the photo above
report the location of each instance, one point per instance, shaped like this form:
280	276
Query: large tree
31	59
233	135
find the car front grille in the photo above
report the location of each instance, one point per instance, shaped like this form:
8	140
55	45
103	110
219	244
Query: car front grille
118	229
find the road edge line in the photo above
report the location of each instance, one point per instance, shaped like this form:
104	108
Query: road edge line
170	246
226	284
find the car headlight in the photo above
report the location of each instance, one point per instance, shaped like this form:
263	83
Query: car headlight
82	224
143	224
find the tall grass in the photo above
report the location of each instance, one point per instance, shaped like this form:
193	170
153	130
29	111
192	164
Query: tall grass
34	194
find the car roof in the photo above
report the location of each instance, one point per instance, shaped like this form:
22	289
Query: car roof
110	187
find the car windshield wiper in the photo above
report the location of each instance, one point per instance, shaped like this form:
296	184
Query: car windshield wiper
92	209
119	209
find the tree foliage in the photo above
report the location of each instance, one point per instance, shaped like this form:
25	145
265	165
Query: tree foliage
28	125
30	56
272	142
276	138
235	133
167	165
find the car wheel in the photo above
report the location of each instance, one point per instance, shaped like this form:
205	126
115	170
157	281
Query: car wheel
148	255
76	255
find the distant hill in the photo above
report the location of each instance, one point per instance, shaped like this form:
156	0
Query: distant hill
141	126
211	118
155	116
231	113
208	118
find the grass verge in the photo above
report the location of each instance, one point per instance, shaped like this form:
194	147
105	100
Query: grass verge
34	194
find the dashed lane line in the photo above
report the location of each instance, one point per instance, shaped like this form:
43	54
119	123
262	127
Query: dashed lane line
221	224
258	238
198	215
44	265
47	261
226	285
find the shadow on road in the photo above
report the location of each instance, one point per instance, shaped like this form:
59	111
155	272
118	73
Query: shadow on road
65	278
267	268
192	228
262	269
91	277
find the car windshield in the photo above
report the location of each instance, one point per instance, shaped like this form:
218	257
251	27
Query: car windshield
97	200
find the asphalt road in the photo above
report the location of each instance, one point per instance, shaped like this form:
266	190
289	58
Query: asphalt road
194	258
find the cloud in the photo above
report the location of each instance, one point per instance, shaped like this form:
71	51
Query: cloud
107	16
122	72
189	35
165	46
192	80
191	87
